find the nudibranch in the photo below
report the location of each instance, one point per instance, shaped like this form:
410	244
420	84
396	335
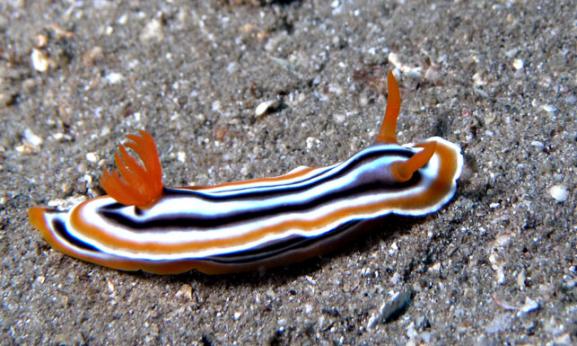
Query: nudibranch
249	225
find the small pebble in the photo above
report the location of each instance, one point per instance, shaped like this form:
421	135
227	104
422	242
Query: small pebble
478	79
185	291
41	41
498	266
538	145
114	78
518	64
266	107
422	323
40	60
392	309
111	287
153	32
215	106
60	32
409	71
122	20
92	56
521	279
529	306
549	109
433	73
394	59
339	118
311	142
91	157
32	138
559	193
181	156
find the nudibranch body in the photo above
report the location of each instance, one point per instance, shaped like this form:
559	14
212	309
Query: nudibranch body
253	224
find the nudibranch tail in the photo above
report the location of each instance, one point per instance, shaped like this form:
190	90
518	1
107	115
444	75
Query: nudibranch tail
135	183
388	131
36	217
403	170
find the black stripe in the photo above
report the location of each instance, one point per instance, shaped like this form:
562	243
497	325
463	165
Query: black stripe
292	187
241	188
206	223
60	228
268	191
277	247
219	220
